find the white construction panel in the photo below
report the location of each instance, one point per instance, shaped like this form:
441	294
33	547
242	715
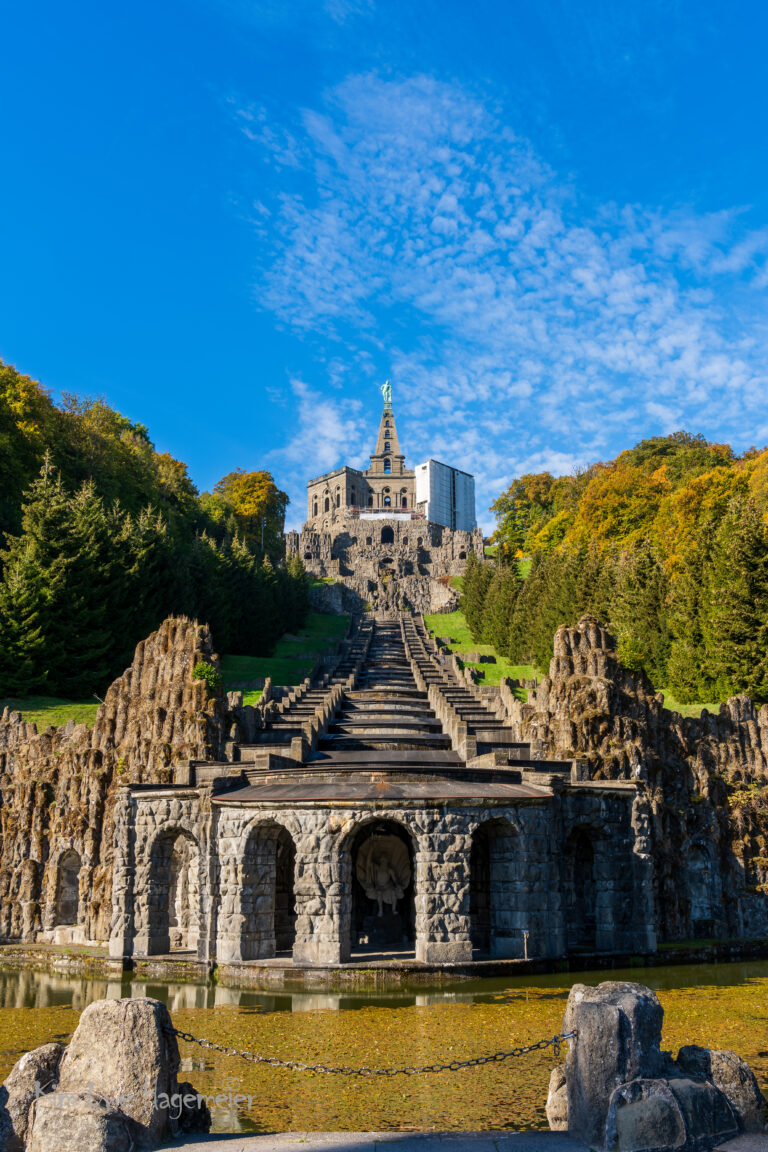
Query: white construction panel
446	495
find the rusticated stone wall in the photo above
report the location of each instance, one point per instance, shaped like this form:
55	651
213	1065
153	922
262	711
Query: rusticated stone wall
705	779
234	882
387	564
58	787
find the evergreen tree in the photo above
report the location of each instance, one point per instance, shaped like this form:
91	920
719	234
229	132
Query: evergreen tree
477	579
735	620
22	643
640	612
689	670
499	605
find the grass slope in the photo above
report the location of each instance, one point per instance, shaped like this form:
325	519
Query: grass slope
50	710
292	658
454	625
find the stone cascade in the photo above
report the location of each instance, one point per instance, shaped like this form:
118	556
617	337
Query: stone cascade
298	722
386	719
475	725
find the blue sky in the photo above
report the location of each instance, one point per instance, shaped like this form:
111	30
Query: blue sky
546	222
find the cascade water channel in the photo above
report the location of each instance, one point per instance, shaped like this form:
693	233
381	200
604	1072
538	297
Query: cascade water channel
719	1006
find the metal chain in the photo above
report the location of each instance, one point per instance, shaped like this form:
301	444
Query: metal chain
409	1070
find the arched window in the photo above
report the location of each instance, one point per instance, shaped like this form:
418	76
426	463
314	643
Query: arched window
353	497
387	465
386	423
307	555
338	498
314	508
369	540
386	434
327	504
462	555
387	501
387	535
370	501
405	501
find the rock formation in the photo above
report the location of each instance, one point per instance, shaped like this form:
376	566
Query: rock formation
706	779
619	1091
114	1089
58	787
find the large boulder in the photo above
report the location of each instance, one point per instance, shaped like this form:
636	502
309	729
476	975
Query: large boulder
64	1122
674	1115
618	1027
735	1079
34	1074
123	1052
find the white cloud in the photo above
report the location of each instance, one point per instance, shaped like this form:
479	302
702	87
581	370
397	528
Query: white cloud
521	324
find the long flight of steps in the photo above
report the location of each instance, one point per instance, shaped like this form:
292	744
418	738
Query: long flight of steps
300	705
483	723
385	720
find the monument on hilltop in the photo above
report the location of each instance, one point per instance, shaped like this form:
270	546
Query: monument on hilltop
391	536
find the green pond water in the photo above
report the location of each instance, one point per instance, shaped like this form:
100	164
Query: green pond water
719	1006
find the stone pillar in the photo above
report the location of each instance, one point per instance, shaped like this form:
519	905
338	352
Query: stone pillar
442	894
121	923
321	897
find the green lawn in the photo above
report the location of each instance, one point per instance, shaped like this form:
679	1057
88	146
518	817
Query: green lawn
687	709
49	710
454	625
490	550
292	658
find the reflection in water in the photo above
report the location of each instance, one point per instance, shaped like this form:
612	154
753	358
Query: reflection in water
719	1005
25	988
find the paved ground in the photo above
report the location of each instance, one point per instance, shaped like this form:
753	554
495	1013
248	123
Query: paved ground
389	1142
416	1142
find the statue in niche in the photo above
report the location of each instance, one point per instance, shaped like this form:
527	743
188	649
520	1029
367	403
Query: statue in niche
384	870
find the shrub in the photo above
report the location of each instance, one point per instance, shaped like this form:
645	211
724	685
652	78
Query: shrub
207	672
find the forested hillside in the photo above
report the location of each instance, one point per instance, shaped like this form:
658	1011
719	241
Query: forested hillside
101	537
667	545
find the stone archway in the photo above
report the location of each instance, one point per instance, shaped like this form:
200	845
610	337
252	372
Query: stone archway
268	897
68	888
379	869
173	897
580	893
499	909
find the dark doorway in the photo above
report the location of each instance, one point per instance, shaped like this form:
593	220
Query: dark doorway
580	893
387	535
480	891
285	903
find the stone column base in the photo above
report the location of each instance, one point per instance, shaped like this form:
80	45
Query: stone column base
317	952
443	951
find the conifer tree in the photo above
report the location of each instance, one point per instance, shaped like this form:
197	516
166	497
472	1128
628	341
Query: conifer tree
689	668
477	578
640	612
735	620
499	606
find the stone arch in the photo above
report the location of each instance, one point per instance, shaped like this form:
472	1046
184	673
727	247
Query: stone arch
361	927
462	555
580	890
68	887
307	555
327	507
498	903
387	535
268	891
174	916
369	541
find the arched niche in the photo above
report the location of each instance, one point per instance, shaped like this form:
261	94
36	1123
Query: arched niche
268	896
378	870
68	887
